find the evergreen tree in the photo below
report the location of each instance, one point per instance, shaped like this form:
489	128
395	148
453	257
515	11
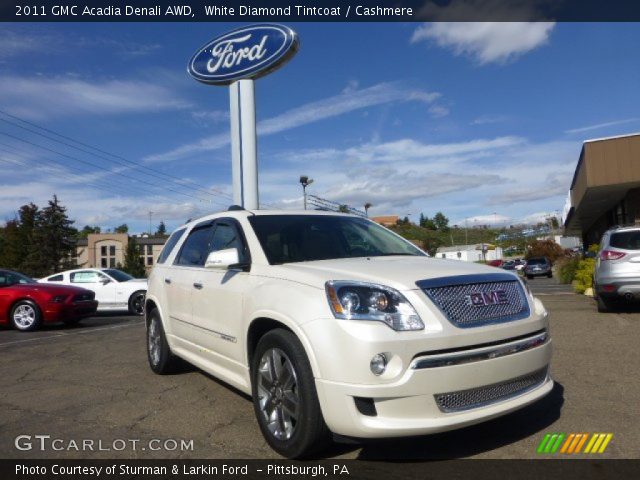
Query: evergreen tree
162	229
87	229
132	261
11	251
53	240
441	222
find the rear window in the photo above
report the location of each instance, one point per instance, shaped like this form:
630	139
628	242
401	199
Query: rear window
626	240
536	261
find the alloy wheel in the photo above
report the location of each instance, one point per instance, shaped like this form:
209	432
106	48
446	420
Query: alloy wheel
278	393
154	341
24	316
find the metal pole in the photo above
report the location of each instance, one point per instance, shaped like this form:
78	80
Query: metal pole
304	195
244	155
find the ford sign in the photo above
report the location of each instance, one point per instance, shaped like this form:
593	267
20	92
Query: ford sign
247	52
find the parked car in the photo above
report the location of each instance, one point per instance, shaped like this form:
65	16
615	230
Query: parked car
114	289
26	304
335	324
509	265
520	264
495	263
617	271
537	267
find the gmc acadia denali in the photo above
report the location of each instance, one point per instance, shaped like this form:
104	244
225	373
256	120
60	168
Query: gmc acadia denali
333	323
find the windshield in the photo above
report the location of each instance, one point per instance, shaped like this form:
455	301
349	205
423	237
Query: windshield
118	275
12	278
302	238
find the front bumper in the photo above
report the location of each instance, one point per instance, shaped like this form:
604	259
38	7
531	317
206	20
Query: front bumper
537	273
57	312
408	406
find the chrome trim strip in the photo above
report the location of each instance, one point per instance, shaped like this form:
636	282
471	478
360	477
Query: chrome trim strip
222	336
480	354
467	280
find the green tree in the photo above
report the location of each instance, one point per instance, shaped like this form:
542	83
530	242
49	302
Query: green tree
53	240
132	261
124	228
11	253
343	208
162	229
87	229
441	222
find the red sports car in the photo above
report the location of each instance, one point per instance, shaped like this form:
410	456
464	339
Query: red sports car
26	304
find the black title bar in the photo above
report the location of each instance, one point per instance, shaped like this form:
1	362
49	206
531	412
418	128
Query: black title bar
318	10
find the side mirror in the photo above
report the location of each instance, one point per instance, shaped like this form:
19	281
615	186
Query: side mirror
104	281
223	259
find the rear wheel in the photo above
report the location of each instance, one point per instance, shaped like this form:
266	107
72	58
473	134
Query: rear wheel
529	277
161	360
136	302
285	398
550	275
25	316
604	304
72	321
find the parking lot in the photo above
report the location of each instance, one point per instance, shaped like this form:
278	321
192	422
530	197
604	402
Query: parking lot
93	382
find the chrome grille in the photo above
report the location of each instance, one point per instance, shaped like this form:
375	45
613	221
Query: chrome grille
482	396
500	296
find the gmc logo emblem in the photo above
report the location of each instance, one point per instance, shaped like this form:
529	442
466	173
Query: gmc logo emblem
484	299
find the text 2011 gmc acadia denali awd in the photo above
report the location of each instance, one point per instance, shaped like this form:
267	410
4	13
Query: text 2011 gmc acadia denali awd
335	324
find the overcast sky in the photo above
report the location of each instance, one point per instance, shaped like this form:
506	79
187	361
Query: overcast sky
481	121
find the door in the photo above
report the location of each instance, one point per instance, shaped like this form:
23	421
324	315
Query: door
179	281
103	286
218	296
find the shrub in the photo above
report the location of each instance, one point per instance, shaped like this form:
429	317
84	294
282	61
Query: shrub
566	269
584	275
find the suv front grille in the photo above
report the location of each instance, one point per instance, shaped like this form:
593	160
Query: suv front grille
476	300
482	396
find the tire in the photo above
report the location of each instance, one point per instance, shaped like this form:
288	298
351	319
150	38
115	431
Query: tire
549	275
25	316
529	277
136	302
604	305
159	355
286	402
71	321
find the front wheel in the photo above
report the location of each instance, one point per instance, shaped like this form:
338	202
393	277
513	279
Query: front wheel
136	302
25	316
285	398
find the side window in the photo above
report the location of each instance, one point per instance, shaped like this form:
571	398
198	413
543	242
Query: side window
171	243
196	247
84	277
226	235
55	278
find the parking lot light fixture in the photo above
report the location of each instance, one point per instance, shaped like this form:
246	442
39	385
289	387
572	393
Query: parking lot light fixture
305	182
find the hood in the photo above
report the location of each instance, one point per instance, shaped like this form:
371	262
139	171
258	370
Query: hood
397	272
50	288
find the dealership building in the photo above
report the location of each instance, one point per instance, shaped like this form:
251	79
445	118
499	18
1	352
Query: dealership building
605	190
107	250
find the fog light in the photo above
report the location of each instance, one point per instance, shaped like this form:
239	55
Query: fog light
378	364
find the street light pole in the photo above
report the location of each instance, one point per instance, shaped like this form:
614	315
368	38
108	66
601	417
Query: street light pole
305	182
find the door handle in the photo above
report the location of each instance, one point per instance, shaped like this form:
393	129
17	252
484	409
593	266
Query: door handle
198	285
167	280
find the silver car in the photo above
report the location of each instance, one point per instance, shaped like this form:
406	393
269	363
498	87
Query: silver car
617	273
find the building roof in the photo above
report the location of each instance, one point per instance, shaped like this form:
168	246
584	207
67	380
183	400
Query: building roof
457	248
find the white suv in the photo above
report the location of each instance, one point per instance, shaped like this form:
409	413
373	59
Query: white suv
335	324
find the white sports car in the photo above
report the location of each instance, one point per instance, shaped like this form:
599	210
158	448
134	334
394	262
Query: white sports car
114	289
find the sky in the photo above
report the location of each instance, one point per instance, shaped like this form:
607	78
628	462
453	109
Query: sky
483	122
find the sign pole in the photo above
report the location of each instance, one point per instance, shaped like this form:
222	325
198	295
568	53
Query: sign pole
244	152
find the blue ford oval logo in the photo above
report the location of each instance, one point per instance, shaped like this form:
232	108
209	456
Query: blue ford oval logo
247	52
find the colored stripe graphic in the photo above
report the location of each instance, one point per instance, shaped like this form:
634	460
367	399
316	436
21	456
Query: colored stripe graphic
573	443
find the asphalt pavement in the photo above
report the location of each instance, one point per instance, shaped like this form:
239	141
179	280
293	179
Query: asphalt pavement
92	383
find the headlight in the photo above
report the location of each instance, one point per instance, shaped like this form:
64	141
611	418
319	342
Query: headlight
58	298
368	301
525	284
